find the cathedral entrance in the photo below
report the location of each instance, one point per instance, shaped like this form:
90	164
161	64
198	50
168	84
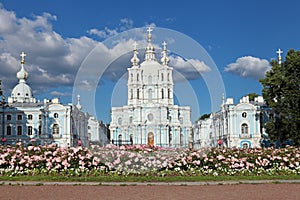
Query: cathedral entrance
150	139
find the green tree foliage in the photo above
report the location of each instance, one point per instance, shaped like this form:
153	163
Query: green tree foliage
204	116
281	90
252	96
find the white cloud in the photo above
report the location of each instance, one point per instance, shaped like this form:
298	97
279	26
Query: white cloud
249	66
7	20
189	69
125	24
106	33
52	61
60	94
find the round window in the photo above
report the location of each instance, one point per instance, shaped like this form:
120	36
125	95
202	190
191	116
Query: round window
150	117
244	114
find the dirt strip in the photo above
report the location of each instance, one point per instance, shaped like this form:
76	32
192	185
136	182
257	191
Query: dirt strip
255	191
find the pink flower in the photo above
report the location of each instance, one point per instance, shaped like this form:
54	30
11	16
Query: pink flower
196	162
220	157
57	159
128	162
65	164
30	148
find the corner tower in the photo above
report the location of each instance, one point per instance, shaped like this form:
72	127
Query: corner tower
22	92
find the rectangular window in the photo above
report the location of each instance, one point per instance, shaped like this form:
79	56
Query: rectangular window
19	117
8	130
29	130
29	117
40	129
8	117
19	130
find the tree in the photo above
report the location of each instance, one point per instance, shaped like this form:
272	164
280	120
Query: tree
252	96
281	91
203	117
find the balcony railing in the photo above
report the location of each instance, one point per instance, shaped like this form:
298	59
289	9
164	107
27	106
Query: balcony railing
245	136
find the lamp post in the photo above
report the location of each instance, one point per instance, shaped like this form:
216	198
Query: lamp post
3	139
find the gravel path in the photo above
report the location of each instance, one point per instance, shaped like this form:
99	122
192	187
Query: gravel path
249	191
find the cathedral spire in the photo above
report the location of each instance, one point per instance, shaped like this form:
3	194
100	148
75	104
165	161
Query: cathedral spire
150	52
22	75
279	52
135	60
78	102
165	60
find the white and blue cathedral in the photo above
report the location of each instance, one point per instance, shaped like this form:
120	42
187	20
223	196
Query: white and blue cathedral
150	117
30	121
234	125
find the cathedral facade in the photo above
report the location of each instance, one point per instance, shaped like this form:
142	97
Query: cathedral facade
30	121
150	116
234	125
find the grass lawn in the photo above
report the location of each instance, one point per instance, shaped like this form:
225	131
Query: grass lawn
144	178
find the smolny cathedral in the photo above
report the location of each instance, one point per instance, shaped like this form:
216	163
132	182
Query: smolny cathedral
150	116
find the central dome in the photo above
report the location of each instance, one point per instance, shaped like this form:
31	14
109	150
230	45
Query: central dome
21	93
151	65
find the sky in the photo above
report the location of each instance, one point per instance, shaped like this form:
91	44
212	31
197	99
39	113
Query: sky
84	47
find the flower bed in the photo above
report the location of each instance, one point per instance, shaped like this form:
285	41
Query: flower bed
143	160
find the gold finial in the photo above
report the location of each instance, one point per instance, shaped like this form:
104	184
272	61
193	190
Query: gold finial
23	58
135	60
165	58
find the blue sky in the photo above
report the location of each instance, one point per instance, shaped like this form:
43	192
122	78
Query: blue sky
241	37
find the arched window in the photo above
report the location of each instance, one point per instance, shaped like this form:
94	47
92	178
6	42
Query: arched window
130	120
181	139
245	146
29	117
170	138
138	93
137	77
181	120
131	139
55	129
170	119
131	94
131	77
162	77
29	130
244	128
150	139
169	93
150	94
162	93
120	139
120	121
168	76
